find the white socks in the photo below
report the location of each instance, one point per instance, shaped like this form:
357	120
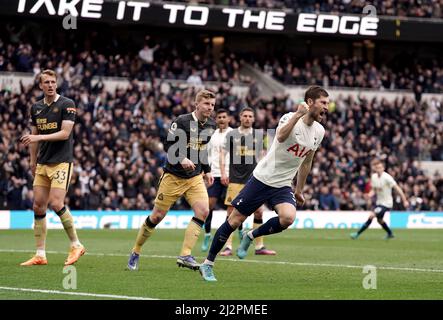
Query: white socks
211	263
41	253
76	244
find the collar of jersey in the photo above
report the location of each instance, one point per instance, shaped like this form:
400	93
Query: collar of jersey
57	96
246	131
196	119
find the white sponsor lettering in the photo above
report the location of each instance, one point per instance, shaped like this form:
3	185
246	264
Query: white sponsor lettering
202	21
68	6
90	8
268	20
174	8
347	25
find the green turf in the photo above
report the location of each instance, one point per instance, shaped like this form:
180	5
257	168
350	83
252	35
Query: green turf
275	278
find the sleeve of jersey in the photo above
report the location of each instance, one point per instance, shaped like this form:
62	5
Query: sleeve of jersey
177	134
69	111
32	118
391	181
284	119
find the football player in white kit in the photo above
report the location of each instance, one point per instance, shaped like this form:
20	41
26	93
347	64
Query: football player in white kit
291	153
217	190
382	184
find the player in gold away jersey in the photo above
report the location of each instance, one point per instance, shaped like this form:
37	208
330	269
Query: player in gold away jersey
183	174
51	150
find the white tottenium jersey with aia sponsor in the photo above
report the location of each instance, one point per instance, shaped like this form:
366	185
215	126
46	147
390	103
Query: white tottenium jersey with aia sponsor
281	163
382	186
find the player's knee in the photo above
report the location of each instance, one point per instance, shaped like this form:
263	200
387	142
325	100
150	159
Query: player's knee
57	205
39	208
380	221
236	219
286	221
157	216
258	214
204	212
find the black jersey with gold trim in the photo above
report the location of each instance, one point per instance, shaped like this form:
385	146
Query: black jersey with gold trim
48	119
188	138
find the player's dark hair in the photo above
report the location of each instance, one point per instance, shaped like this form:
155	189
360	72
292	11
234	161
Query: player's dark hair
246	109
315	92
376	161
48	72
221	110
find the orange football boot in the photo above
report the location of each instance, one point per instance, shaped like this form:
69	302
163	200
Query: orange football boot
35	261
74	255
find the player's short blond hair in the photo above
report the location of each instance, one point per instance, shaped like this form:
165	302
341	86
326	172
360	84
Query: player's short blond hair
204	94
47	72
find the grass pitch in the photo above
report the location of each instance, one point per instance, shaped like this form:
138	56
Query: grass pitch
310	264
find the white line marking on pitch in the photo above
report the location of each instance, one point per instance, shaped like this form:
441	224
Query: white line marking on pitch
84	294
245	261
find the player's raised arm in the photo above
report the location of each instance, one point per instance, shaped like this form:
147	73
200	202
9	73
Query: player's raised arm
303	173
290	121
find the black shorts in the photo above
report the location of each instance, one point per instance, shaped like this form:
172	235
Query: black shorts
256	193
380	211
217	190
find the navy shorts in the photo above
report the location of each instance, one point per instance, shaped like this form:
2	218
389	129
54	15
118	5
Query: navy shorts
380	211
256	193
217	190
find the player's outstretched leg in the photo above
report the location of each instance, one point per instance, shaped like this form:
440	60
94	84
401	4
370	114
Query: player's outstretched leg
286	212
366	225
145	231
217	244
77	249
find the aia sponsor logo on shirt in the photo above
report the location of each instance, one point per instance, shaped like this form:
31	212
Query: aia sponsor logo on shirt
299	151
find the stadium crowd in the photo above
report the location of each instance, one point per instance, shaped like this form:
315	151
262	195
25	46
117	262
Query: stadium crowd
336	71
402	8
119	144
172	60
168	61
